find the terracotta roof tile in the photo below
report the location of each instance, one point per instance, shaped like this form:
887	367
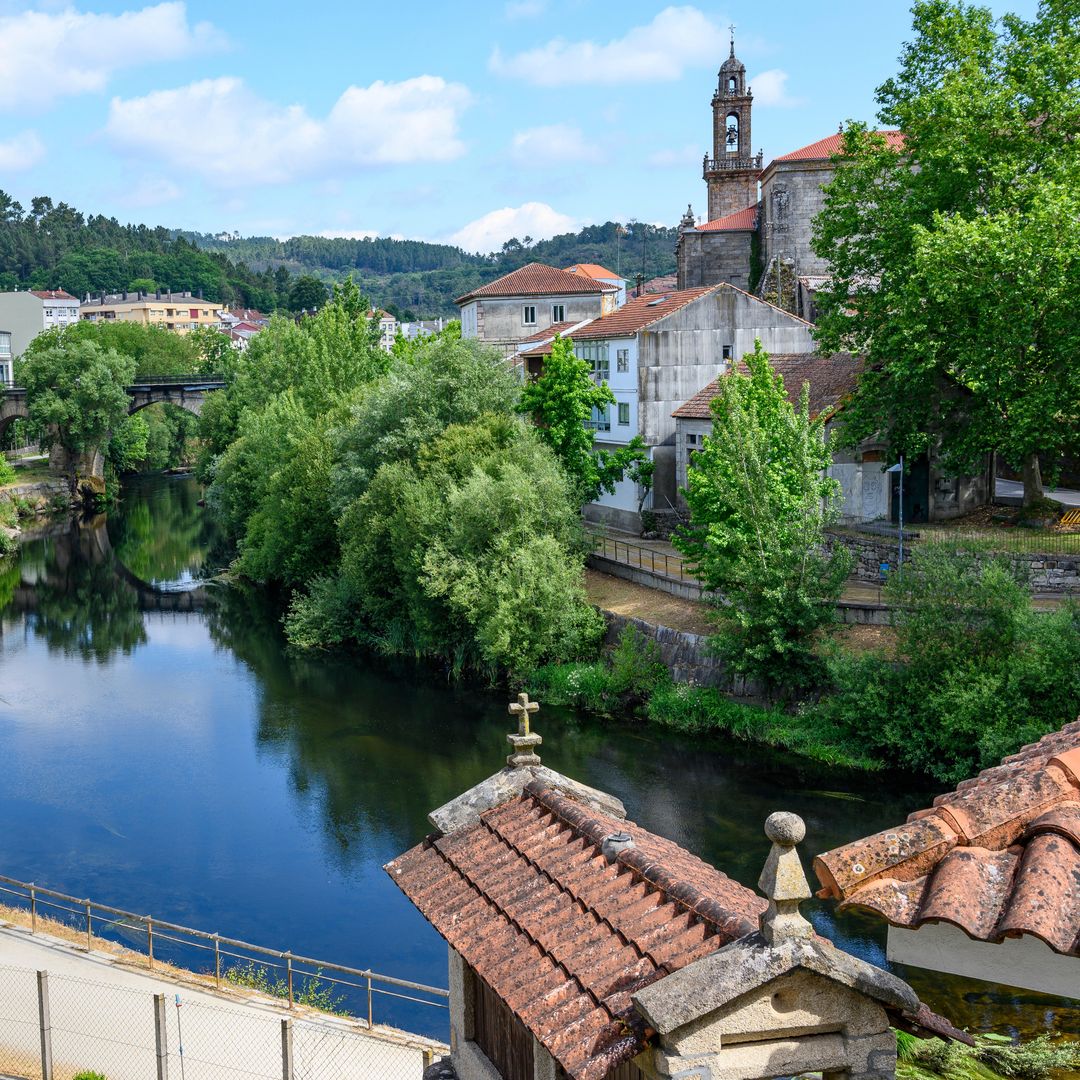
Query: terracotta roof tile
638	313
831	377
537	279
593	270
53	294
740	220
532	875
831	145
998	857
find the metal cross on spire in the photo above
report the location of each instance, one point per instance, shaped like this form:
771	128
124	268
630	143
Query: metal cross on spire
731	27
525	740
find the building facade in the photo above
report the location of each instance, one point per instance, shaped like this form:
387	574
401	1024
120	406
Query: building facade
518	305
24	315
179	312
7	358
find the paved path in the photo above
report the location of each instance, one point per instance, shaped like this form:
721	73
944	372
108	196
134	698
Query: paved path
103	1019
1012	489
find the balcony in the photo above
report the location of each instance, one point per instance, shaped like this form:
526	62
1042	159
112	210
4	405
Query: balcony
730	163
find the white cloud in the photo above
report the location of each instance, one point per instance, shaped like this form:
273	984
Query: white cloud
45	56
22	151
678	38
524	9
242	139
770	88
153	191
554	144
490	232
675	159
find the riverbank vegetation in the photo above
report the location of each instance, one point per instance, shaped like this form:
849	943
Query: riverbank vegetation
401	501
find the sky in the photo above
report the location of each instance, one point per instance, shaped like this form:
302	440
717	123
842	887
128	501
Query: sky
460	123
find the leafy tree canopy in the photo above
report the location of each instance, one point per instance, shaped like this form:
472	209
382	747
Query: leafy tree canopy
956	257
759	504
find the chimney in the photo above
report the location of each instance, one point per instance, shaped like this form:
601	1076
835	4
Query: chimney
199	294
157	295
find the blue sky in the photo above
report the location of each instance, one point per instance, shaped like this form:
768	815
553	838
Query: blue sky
462	122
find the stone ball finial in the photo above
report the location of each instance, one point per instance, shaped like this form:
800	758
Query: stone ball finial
785	829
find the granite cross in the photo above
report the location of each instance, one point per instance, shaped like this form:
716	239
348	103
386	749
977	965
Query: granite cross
521	709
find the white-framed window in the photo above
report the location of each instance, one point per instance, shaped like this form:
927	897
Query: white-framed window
558	313
600	420
528	315
596	352
624	413
622	361
5	343
727	352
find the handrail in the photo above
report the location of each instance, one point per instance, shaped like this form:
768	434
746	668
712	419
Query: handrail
176	380
643	558
87	908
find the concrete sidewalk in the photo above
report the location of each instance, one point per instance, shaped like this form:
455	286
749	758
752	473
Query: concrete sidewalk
102	1018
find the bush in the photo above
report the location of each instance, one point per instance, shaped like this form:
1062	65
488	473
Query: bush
981	672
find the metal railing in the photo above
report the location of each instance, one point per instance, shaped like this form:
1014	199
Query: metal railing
294	975
644	558
179	380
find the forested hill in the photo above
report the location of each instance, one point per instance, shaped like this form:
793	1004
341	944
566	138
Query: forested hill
55	246
420	279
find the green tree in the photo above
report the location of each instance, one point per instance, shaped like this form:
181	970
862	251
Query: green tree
76	393
155	350
306	293
759	503
561	401
955	257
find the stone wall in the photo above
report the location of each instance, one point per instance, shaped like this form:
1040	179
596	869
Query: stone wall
1047	573
706	258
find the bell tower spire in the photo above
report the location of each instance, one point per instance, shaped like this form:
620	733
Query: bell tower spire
732	171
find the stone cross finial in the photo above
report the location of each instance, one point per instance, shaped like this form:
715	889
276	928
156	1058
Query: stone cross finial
524	741
731	27
783	881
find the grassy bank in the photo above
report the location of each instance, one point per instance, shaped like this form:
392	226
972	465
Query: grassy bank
632	681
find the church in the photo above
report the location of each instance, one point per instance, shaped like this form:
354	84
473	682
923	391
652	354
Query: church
758	230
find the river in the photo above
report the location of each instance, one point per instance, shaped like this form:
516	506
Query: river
164	752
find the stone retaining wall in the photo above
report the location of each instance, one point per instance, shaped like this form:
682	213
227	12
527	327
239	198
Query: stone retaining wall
1047	573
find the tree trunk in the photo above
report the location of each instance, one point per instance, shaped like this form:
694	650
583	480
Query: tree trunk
1033	485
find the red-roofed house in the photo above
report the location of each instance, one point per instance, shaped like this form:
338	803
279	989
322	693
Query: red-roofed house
532	299
654	353
601	273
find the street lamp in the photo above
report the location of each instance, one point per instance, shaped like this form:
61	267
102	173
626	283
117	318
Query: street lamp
899	468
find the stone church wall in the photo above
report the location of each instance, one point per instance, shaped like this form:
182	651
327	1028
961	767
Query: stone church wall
706	258
792	196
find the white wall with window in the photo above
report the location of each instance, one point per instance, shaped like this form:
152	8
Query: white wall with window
468	320
6	361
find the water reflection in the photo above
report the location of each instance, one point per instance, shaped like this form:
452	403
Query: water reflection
202	771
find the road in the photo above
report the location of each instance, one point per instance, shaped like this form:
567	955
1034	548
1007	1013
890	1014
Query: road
1013	489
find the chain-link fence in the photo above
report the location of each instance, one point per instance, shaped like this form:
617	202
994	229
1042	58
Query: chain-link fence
54	1027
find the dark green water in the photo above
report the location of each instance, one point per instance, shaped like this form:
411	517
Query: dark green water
165	753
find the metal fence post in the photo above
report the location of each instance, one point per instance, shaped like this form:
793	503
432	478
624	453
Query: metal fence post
217	961
288	973
161	1044
87	925
286	1050
33	909
370	1003
150	941
44	1025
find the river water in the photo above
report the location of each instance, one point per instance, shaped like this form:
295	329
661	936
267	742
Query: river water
164	752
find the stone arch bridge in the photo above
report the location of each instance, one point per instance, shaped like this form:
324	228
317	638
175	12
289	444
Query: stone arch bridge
184	391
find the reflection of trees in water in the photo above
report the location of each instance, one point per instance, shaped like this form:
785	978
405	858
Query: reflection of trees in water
159	532
77	605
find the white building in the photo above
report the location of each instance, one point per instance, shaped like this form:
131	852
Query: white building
528	301
24	315
655	353
6	358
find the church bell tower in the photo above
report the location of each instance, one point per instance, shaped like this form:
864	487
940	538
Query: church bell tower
732	171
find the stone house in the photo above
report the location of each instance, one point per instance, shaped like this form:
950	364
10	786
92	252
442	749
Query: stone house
869	492
986	882
654	353
520	304
584	947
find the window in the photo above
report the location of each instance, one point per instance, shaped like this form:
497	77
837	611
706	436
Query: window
624	413
193	312
597	355
727	352
622	361
528	314
558	313
5	344
600	420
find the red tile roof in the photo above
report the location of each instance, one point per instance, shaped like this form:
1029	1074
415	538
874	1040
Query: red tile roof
665	283
831	145
53	294
740	220
538	279
832	377
998	857
640	312
564	937
593	270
